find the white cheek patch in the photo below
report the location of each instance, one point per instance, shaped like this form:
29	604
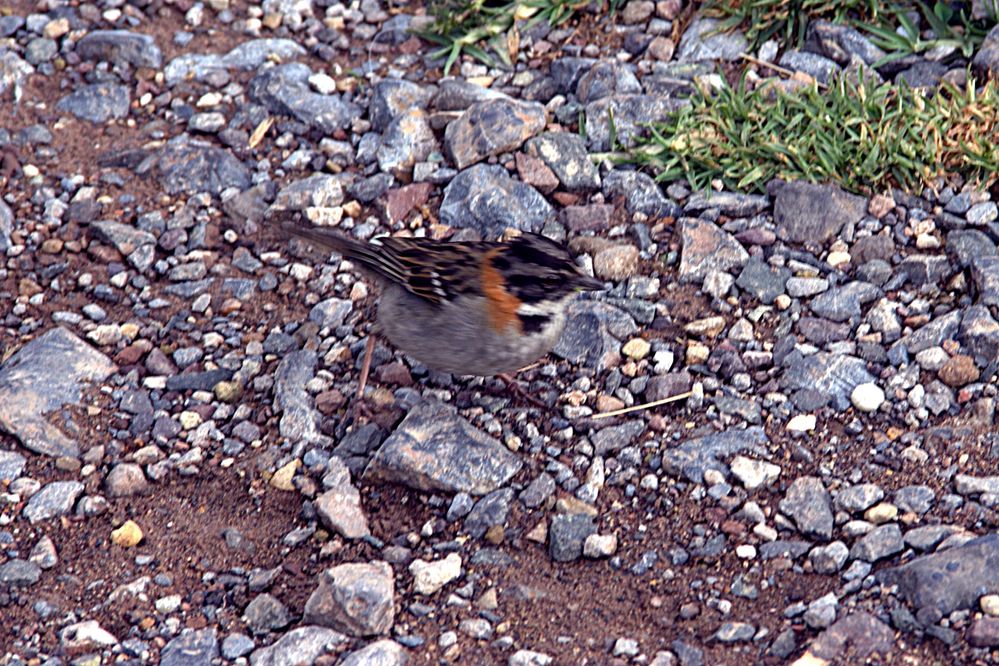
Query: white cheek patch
541	309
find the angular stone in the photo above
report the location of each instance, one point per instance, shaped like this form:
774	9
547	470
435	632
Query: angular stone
120	46
19	573
631	115
705	248
807	502
592	334
320	190
299	646
126	480
732	204
979	332
485	198
984	633
705	39
859	632
98	102
434	449
189	166
285	90
266	613
429	577
881	542
490	128
846	302
191	648
832	375
11	465
392	97
763	281
356	599
641	194
47	373
934	333
55	499
566	155
985	273
860	497
950	580
567	534
339	508
805	212
408	139
299	420
694	457
247	56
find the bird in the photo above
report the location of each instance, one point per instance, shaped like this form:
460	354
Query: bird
482	308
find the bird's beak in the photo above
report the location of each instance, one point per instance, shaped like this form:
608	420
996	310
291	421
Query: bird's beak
587	283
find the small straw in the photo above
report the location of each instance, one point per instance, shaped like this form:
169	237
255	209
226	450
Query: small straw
647	405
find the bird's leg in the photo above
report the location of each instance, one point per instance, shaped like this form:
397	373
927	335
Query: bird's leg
359	406
514	387
369	350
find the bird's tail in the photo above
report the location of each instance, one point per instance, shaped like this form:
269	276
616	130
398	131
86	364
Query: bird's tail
371	257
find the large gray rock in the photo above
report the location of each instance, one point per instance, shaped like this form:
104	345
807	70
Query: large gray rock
485	198
704	40
98	102
434	449
47	373
705	247
833	375
623	118
299	419
285	90
807	502
191	649
695	456
490	128
357	599
186	166
120	46
247	56
950	580
299	646
809	213
592	334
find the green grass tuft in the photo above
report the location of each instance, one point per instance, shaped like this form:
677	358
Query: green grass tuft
865	137
483	29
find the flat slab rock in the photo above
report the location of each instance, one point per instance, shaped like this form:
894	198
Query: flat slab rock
434	449
47	373
699	454
950	580
858	635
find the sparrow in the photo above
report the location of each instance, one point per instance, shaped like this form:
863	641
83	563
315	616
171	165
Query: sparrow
480	308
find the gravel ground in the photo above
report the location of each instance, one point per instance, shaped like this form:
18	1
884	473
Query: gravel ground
179	483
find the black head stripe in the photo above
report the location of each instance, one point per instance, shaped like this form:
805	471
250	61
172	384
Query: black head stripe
533	323
539	251
536	269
